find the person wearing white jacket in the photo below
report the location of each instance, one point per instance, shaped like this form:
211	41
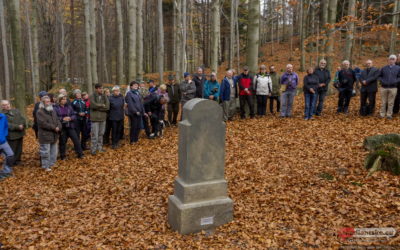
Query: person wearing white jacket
263	89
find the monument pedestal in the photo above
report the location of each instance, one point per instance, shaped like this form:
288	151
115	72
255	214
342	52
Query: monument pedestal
200	201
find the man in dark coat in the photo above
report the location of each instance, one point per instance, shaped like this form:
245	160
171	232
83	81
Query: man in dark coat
369	87
49	127
16	130
324	78
116	116
174	94
347	78
199	79
135	111
35	109
153	108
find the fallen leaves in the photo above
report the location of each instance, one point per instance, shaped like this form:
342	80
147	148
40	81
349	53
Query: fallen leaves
294	184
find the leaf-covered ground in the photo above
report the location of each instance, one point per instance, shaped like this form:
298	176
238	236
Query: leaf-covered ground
294	183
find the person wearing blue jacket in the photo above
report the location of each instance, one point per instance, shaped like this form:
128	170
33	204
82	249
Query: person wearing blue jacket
211	88
228	94
5	149
135	111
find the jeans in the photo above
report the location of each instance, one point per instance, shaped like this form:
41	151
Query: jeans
344	99
173	110
229	109
287	99
309	101
135	121
367	106
271	103
243	100
262	104
69	133
81	127
117	131
48	154
16	147
320	98
107	132
8	154
388	97
97	133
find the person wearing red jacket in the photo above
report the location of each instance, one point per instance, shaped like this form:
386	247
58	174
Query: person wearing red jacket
245	83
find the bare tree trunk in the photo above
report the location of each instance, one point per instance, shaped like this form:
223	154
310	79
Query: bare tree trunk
350	30
72	61
132	40
160	54
5	53
139	43
303	18
35	49
284	21
93	46
120	45
19	64
88	49
64	54
291	35
395	21
179	38
215	35
271	27
363	7
184	33
330	34
232	35
103	42
237	33
253	35
29	34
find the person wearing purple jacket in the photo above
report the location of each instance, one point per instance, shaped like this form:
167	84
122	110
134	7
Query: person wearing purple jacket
67	117
289	81
389	78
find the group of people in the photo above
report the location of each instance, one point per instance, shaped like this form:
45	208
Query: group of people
100	116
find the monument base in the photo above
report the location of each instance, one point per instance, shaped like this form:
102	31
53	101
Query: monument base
196	216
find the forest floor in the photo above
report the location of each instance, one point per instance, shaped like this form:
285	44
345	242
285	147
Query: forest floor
294	184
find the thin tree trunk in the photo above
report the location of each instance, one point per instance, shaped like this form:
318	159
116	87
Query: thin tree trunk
237	33
253	36
5	53
29	34
395	21
232	34
303	18
160	54
179	38
291	36
64	61
93	46
184	33
35	49
132	39
72	61
19	64
271	28
120	45
89	79
330	34
363	7
350	30
284	35
103	42
215	35
139	43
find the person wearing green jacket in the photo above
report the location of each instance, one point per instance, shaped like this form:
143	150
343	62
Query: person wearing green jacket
276	90
16	130
211	88
99	105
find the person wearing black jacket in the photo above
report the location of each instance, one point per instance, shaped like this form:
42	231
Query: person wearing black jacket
116	116
153	108
324	77
199	79
311	83
135	111
369	87
81	123
174	94
347	78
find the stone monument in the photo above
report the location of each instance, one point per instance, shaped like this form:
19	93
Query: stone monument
200	200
